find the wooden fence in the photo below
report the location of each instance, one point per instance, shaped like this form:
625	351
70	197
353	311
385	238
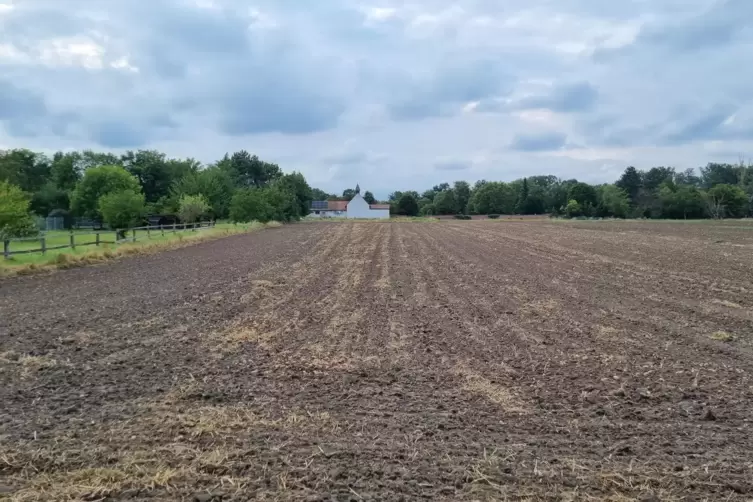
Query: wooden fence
74	239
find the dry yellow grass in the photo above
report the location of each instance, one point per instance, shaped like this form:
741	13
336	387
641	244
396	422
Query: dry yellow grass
478	384
64	261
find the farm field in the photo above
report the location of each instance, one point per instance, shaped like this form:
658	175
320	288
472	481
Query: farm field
456	360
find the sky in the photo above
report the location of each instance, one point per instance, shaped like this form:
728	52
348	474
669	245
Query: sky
392	95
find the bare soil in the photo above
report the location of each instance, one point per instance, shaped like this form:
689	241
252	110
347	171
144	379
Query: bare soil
456	360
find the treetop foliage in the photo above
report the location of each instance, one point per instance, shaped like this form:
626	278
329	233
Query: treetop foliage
241	185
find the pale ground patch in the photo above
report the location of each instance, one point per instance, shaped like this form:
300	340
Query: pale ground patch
496	393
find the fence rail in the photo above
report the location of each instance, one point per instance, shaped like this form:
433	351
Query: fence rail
121	236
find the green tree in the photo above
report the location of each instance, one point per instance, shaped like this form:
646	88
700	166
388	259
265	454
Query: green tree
15	220
91	159
681	201
295	184
369	197
407	205
724	201
152	171
656	176
631	182
99	181
192	207
584	193
425	207
215	184
462	195
319	194
122	209
573	209
445	202
285	205
613	201
521	205
250	171
64	170
348	194
719	174
250	204
493	198
49	198
25	169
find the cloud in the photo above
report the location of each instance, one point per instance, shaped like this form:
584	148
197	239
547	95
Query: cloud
376	92
538	142
564	98
452	165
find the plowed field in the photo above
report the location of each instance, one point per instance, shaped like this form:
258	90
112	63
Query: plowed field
389	361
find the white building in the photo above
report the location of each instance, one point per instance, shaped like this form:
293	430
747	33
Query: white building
359	208
356	208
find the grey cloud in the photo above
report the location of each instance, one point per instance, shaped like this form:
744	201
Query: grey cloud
443	91
452	165
566	98
17	102
118	134
546	141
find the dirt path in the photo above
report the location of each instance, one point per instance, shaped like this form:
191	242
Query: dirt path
384	361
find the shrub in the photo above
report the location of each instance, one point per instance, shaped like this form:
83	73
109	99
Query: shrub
493	216
122	209
192	207
463	217
15	220
99	181
249	204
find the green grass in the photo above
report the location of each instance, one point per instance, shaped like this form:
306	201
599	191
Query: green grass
82	255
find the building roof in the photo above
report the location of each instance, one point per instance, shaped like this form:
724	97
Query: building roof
379	206
337	205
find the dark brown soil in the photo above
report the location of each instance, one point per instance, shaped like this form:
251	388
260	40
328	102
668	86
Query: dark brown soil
389	361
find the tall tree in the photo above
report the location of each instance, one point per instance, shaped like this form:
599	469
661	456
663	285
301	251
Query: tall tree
99	181
150	168
462	195
407	205
445	202
656	176
296	184
521	205
250	171
631	182
369	197
717	174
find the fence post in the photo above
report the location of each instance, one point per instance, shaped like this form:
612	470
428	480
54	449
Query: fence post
73	241
148	233
134	234
175	227
162	229
6	249
97	238
43	241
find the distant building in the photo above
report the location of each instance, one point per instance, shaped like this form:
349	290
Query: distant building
356	208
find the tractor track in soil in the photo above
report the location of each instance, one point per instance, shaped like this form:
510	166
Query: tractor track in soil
389	361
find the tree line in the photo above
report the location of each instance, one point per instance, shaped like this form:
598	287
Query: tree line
122	190
714	191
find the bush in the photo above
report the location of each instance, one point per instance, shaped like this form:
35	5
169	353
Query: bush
122	209
250	204
192	207
493	216
97	182
15	220
463	217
